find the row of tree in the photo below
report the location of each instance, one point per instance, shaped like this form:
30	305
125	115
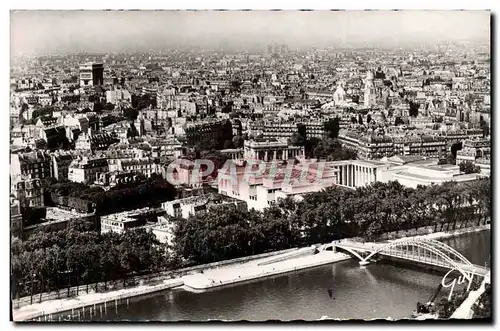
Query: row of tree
120	198
48	261
225	232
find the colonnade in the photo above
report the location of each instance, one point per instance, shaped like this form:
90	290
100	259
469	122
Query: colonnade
355	175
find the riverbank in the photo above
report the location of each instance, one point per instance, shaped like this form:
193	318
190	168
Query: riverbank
464	311
207	276
255	270
50	307
454	233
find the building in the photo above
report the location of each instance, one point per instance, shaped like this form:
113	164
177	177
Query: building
31	165
206	131
85	170
57	219
285	130
93	142
16	219
268	150
478	152
431	146
233	153
261	189
164	231
117	96
145	166
367	146
29	192
165	147
118	153
410	171
358	173
459	136
198	205
128	220
370	97
91	74
60	164
413	175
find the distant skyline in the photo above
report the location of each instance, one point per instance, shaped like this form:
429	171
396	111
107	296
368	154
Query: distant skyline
39	32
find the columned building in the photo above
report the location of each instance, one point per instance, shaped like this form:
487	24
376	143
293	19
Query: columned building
271	150
357	173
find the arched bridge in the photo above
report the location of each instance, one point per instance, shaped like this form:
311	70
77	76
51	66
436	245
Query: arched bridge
419	250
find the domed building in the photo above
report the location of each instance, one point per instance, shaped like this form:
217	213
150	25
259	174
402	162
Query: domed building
339	96
379	117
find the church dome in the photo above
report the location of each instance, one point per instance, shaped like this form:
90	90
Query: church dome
339	95
379	117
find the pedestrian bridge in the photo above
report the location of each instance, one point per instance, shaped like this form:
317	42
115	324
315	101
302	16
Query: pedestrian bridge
418	250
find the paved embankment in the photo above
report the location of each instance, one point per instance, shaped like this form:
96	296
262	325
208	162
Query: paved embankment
56	306
257	269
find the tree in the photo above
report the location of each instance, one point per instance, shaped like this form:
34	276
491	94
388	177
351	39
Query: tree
296	139
228	144
130	114
332	150
482	307
237	141
98	107
414	109
469	167
109	106
301	130
332	128
455	148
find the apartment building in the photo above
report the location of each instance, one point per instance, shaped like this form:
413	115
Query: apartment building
85	170
33	165
284	130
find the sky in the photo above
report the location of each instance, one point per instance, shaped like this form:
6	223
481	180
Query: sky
38	32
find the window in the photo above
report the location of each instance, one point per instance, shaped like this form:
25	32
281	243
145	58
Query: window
253	197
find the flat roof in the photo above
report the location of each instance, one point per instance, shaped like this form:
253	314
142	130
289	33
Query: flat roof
55	213
413	175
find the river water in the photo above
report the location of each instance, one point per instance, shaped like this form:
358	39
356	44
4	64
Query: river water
375	291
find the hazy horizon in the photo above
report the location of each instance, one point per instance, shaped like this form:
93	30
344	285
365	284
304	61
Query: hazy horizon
39	32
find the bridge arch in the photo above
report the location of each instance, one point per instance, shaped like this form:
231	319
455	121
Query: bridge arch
352	251
450	257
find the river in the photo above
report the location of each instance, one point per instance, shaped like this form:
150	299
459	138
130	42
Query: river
375	291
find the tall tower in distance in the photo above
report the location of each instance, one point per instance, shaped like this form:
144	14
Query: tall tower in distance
370	96
91	74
